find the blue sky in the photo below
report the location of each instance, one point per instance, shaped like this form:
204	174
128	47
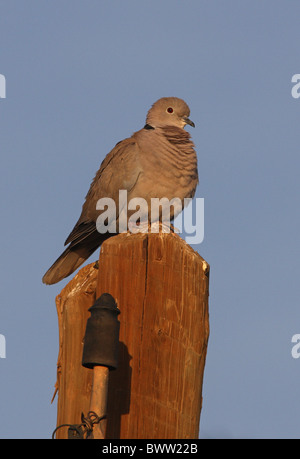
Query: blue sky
80	76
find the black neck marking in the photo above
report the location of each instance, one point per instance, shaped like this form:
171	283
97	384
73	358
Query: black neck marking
148	127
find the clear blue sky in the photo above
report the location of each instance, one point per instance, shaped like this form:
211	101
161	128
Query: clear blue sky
81	76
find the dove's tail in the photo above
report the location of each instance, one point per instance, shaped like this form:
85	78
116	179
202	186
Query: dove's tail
65	265
73	257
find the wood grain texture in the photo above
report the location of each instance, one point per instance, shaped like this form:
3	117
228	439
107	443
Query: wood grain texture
74	382
161	287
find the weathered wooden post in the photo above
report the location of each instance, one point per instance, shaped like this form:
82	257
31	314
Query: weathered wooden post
160	285
74	382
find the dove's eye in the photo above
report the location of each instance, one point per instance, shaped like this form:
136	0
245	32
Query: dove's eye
170	110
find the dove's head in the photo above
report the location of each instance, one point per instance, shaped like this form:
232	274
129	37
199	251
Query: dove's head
169	111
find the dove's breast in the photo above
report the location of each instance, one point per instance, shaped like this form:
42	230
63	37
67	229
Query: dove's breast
168	162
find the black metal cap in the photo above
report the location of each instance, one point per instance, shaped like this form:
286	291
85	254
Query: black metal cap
101	341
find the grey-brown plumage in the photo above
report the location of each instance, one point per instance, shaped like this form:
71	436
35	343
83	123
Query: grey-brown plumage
155	162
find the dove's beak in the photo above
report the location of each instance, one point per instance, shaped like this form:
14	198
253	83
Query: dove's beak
188	121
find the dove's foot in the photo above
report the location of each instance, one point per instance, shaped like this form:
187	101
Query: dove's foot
154	227
163	227
142	227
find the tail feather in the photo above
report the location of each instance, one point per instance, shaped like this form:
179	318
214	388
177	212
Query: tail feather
65	265
73	257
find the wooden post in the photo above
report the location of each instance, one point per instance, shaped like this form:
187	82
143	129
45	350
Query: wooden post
161	287
74	382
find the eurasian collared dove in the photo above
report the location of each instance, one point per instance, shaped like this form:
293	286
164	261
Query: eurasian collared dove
158	161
